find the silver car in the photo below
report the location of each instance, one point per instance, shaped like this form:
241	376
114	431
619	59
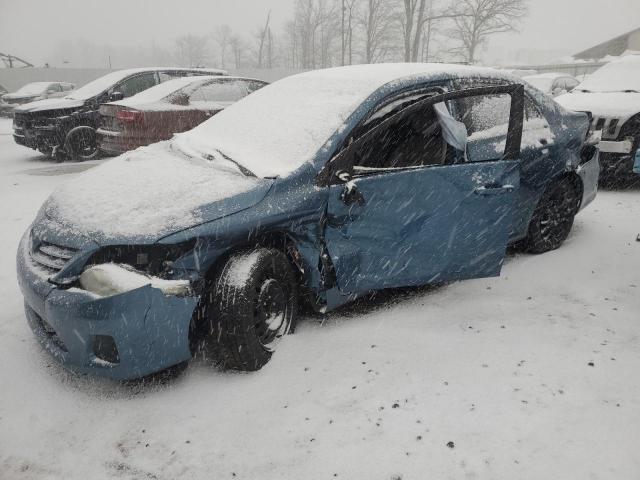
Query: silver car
32	92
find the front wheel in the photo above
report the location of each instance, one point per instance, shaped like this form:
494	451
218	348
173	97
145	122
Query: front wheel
249	307
553	217
81	144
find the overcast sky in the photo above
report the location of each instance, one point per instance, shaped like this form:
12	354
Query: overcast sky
29	28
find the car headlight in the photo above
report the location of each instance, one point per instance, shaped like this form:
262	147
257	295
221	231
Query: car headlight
155	260
110	279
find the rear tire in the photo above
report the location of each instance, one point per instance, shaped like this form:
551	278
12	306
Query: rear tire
249	307
553	217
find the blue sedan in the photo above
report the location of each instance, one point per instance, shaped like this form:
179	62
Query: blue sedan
317	189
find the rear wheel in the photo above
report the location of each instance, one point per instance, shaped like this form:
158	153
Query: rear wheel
81	144
553	218
250	306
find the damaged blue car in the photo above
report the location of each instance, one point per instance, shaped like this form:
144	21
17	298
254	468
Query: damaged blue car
315	190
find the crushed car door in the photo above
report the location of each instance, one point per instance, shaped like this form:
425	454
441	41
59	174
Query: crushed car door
408	206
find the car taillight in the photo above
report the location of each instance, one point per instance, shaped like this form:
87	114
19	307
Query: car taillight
129	116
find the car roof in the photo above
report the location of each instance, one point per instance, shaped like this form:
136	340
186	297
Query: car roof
311	107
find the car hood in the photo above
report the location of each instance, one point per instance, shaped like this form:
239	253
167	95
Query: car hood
13	96
50	104
148	194
619	105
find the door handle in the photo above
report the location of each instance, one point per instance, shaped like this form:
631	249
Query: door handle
494	189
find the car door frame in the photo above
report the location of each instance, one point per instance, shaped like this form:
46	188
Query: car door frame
339	170
338	162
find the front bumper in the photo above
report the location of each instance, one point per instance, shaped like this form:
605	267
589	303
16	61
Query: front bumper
589	172
149	329
6	109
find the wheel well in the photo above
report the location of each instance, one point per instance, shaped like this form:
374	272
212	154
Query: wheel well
278	240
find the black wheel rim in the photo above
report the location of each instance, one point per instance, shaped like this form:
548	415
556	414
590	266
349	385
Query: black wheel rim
85	145
273	314
557	216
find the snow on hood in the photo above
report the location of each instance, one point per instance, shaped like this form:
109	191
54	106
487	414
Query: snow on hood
610	105
50	104
147	193
19	96
617	76
277	129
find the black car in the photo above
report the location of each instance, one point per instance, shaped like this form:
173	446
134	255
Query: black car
66	127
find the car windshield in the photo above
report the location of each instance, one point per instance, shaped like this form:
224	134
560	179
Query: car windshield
34	88
618	76
99	85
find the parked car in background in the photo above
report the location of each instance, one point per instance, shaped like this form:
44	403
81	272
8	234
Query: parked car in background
323	186
171	107
612	95
553	84
32	92
66	127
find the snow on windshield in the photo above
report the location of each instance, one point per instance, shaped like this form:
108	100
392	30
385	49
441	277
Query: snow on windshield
149	192
34	88
277	129
618	76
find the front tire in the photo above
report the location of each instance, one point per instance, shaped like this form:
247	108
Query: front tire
249	307
81	144
553	217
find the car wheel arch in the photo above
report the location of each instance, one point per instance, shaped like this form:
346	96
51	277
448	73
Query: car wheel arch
279	240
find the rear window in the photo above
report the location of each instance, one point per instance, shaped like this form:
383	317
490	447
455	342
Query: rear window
220	92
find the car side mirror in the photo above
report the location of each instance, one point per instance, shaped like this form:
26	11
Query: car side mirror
116	96
344	176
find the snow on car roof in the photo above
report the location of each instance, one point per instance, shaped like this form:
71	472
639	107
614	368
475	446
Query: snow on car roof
164	89
277	129
34	87
101	84
617	76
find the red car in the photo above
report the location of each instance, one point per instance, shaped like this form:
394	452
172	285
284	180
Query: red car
171	107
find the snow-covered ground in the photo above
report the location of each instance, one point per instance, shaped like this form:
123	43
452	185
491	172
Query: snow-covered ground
532	375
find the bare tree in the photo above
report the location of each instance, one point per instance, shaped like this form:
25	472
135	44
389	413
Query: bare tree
222	35
476	20
376	20
348	9
191	50
238	50
264	38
